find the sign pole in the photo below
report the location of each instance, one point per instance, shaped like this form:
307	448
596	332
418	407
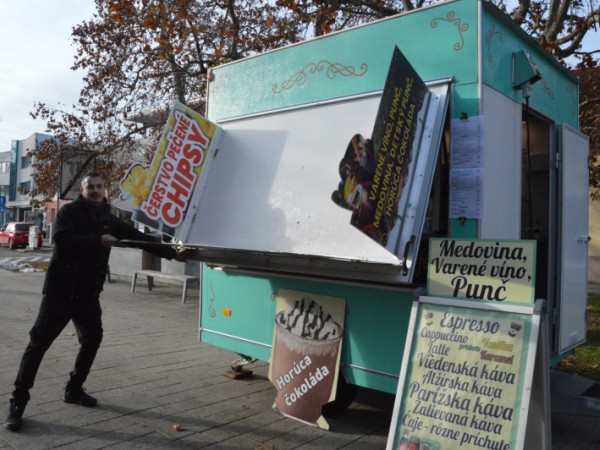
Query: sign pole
538	430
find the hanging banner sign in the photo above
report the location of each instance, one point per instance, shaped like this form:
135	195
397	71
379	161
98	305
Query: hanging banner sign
465	381
483	270
374	171
305	359
161	195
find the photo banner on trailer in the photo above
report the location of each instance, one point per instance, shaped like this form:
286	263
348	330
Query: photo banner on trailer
375	170
164	194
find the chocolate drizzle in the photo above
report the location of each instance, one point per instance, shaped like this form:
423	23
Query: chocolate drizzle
306	319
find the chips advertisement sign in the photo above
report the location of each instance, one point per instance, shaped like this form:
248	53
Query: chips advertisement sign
162	194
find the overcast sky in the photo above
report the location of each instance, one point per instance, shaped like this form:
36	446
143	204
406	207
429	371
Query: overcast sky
35	59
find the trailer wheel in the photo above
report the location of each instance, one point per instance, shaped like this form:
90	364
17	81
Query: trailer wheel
344	396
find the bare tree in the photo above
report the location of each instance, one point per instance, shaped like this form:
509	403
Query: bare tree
140	55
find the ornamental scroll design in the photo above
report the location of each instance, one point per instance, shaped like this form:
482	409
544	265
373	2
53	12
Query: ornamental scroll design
211	305
460	27
492	34
573	94
332	70
548	90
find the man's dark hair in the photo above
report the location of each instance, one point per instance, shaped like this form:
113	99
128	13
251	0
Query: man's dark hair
92	174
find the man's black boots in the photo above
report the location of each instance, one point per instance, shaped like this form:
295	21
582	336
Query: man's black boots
78	396
15	414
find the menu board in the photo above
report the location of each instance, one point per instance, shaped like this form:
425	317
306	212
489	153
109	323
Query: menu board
466	378
466	167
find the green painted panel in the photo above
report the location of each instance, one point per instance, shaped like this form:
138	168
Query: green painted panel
439	41
469	229
237	346
249	299
465	99
371	380
375	329
555	96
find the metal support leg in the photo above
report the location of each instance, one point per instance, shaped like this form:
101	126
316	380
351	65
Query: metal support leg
133	281
185	287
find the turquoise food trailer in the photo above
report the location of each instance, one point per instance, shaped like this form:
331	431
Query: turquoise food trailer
266	221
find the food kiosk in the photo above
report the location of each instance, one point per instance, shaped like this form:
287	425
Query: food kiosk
499	157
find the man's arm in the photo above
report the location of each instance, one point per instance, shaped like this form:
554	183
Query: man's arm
124	231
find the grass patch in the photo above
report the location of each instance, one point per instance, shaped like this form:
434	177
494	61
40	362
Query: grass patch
585	360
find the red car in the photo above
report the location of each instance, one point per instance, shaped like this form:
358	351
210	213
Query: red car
16	234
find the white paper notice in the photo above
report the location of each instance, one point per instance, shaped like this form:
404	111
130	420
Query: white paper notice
466	157
465	195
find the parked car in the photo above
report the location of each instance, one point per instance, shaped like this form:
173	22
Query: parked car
16	234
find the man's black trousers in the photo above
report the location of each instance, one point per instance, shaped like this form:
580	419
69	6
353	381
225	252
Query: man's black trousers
54	315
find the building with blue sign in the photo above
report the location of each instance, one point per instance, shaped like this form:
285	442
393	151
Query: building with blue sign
4	173
16	177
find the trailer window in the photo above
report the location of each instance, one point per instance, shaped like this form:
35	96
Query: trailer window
268	200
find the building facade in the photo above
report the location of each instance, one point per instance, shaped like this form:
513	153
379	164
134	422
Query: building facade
4	174
4	183
16	177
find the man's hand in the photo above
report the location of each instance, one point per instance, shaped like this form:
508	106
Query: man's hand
184	255
108	240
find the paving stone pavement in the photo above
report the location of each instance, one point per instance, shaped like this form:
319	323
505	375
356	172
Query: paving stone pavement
159	388
151	374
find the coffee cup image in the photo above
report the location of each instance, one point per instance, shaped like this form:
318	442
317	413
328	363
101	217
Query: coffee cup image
515	327
304	359
429	318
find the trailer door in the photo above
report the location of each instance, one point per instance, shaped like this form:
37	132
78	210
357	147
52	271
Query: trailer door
573	235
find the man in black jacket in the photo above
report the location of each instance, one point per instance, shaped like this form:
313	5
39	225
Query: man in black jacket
84	233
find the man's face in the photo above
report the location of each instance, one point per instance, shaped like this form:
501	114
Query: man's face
92	189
